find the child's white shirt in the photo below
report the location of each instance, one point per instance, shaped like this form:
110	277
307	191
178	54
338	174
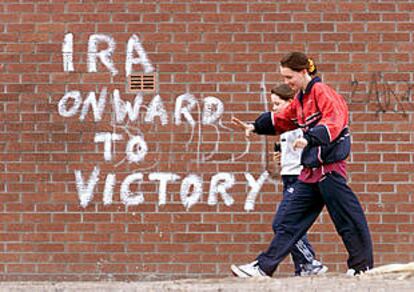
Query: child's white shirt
290	159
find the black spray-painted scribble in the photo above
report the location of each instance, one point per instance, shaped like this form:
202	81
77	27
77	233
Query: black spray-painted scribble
382	92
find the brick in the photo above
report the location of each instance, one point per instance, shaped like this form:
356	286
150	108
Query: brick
336	37
337	17
262	8
164	7
185	17
233	7
303	37
395	37
21	268
108	8
260	27
219	37
353	28
68	18
382	7
366	17
247	17
204	7
185	57
20	8
400	17
230	28
50	8
202	48
110	28
381	27
50	27
290	27
35	17
51	268
110	247
292	7
276	37
307	17
311	27
81	268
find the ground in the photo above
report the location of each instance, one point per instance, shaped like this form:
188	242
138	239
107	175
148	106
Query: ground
329	282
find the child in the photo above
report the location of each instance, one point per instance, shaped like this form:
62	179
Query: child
302	252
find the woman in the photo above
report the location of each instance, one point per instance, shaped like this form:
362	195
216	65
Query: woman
323	116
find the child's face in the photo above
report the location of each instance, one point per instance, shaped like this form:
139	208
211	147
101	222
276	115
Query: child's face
278	104
295	80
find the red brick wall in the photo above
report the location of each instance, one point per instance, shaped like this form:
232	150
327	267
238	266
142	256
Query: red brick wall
219	49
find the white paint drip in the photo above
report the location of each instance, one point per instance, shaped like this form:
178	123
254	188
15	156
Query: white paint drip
255	188
134	44
127	129
199	134
130	198
62	106
107	138
216	145
212	110
97	106
185	110
246	150
189	181
109	189
163	178
105	56
264	140
85	191
220	182
139	143
123	108
67	53
224	127
156	109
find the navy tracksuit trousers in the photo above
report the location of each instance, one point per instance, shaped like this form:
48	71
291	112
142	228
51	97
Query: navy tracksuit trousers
305	205
302	251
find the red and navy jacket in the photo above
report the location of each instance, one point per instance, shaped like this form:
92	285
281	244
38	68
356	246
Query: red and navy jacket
323	116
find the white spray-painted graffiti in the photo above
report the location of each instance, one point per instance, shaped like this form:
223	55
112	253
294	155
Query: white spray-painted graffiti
105	56
219	185
74	103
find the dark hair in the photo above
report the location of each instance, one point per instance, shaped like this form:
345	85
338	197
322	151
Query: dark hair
283	91
298	61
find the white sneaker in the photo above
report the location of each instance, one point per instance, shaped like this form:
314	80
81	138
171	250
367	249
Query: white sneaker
354	273
248	270
315	268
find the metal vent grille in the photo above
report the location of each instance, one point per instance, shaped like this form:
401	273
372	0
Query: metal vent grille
141	82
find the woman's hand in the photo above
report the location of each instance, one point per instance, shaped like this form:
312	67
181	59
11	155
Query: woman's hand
300	143
248	128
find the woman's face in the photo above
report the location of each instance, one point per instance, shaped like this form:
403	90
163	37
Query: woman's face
278	104
295	80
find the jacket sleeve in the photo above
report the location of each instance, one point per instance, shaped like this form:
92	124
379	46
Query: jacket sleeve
334	116
270	123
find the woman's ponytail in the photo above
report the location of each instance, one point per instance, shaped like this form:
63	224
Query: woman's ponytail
312	70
